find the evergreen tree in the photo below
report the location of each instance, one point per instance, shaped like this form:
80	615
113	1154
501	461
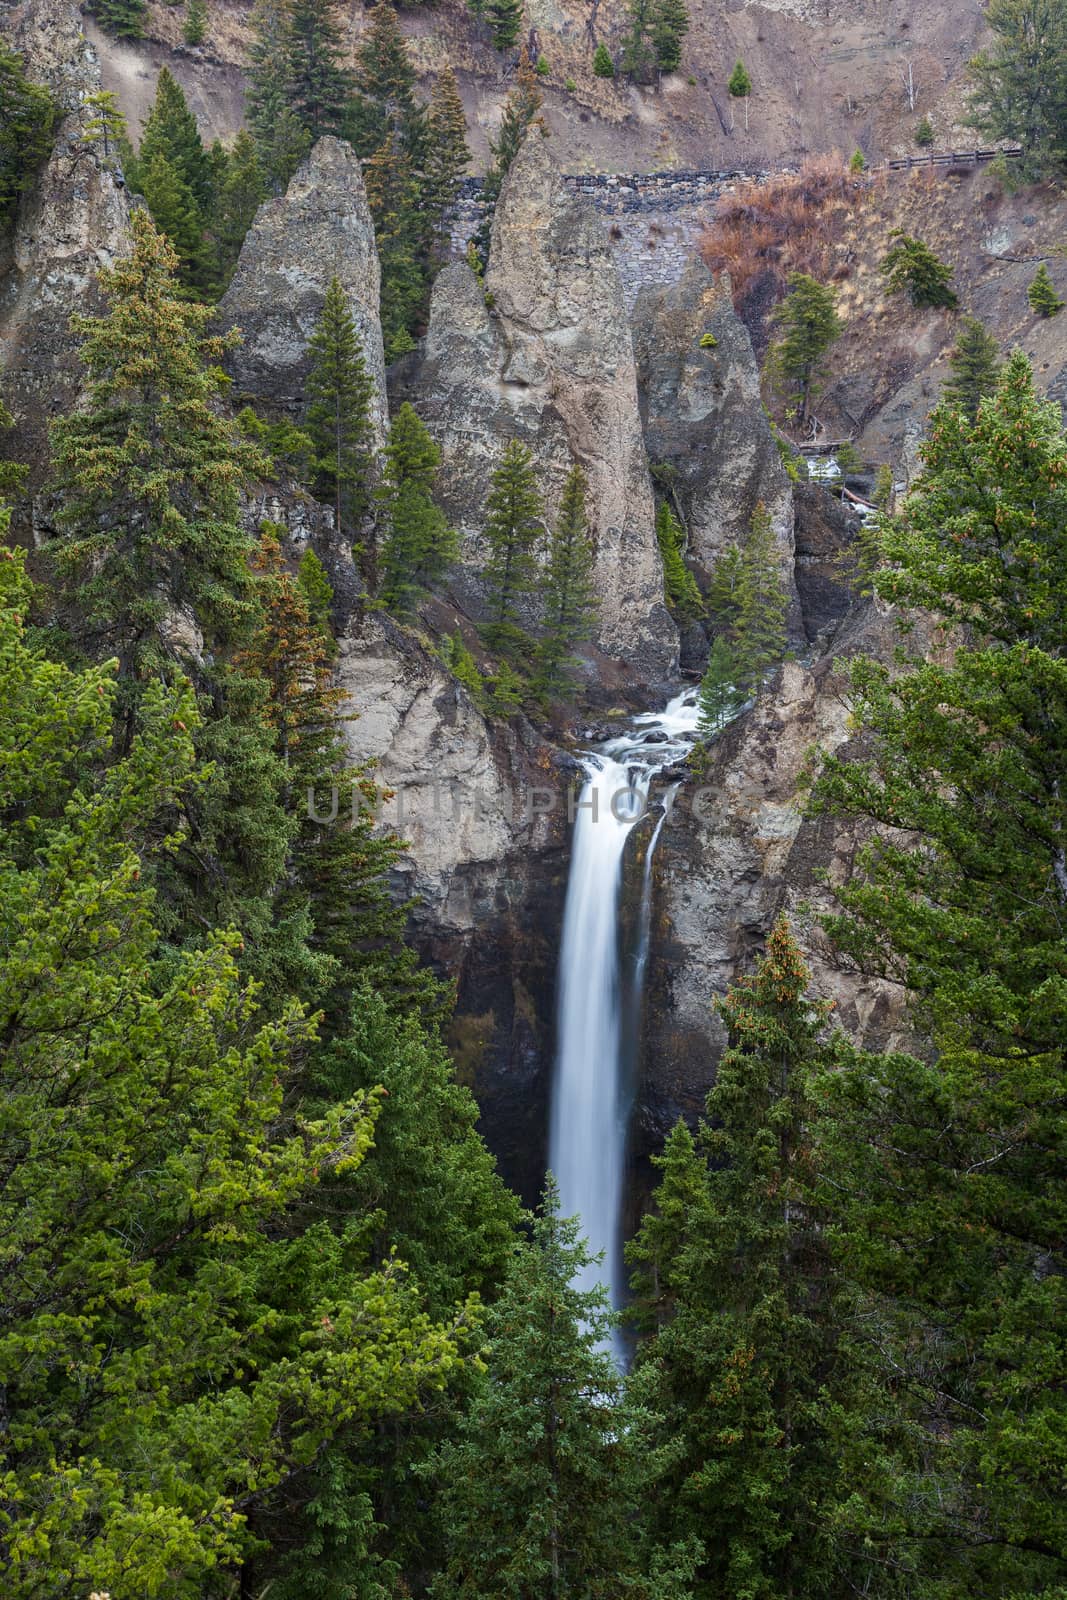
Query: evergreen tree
757	1392
638	50
418	544
282	141
1042	294
954	1170
124	18
603	65
27	127
975	364
240	195
194	29
386	106
176	214
747	603
317	86
151	1187
171	132
447	153
107	122
718	688
538	1488
670	24
568	590
739	87
924	133
318	595
400	231
911	267
808	321
680	588
339	394
1021	85
513	529
463	667
504	18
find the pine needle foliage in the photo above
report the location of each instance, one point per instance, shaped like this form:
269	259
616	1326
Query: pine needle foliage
513	530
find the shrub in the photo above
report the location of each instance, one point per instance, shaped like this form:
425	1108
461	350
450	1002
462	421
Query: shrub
543	68
603	65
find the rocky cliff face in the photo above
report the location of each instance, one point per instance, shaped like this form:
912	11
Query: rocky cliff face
734	852
319	229
72	223
704	420
545	355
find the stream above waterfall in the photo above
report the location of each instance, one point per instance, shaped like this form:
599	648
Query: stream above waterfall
598	1014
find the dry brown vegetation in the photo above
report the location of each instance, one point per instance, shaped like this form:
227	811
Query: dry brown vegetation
793	222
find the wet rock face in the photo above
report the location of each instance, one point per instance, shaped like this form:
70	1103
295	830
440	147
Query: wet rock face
735	852
547	360
483	808
320	228
704	421
72	223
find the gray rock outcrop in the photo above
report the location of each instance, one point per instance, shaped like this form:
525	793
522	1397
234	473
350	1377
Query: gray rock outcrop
544	355
73	222
319	229
704	420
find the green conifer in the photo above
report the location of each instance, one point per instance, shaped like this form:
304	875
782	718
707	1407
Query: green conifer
924	133
317	86
1042	294
638	50
739	87
568	591
911	267
464	667
975	364
171	131
124	18
399	230
27	125
106	123
176	214
194	29
282	141
418	544
385	81
670	24
513	529
318	593
680	587
339	393
447	152
522	111
603	65
718	688
505	21
808	322
240	195
1019	84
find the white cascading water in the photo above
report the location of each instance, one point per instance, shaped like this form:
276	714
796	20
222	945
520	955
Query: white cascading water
590	1104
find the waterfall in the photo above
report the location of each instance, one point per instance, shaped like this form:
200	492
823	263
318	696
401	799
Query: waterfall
590	1105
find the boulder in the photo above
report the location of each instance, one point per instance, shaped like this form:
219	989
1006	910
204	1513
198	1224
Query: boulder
319	229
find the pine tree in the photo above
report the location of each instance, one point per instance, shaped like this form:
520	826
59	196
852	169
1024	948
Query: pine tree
568	591
924	133
124	18
28	120
680	588
281	140
1042	294
318	595
1021	85
418	544
317	86
106	123
505	21
447	152
603	65
463	667
954	1166
975	364
911	267
177	216
739	87
386	106
339	393
670	24
513	529
538	1488
757	1392
747	605
195	26
240	195
638	50
399	229
718	688
809	324
171	132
